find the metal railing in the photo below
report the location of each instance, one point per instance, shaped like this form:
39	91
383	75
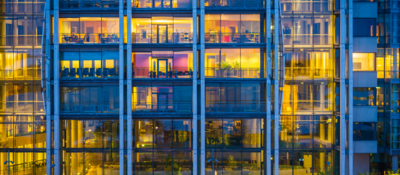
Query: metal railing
236	107
109	38
235	4
234	37
89	4
162	107
176	72
145	38
89	73
212	72
89	107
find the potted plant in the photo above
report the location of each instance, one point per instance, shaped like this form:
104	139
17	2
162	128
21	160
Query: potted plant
236	68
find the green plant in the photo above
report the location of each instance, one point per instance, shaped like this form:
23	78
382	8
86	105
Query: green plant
231	161
225	65
236	65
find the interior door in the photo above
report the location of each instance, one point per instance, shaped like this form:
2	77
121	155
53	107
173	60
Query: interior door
162	68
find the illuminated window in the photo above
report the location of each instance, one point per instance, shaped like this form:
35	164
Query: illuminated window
363	62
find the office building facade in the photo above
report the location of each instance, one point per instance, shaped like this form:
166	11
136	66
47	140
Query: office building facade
199	87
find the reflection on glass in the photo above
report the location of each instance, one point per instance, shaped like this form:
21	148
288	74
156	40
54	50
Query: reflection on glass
162	99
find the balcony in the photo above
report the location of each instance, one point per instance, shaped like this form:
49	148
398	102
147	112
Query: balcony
236	107
89	107
169	38
168	107
176	72
89	4
66	38
322	6
212	72
89	73
304	73
234	4
161	4
234	38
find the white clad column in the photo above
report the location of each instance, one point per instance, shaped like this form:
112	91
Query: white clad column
194	84
268	134
276	86
342	87
129	68
121	86
350	133
47	56
202	89
57	140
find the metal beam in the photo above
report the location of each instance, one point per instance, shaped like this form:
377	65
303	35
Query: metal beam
194	93
342	88
121	87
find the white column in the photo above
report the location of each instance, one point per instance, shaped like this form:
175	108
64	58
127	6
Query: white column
194	84
342	88
129	68
276	86
48	87
121	87
350	87
203	91
57	140
267	136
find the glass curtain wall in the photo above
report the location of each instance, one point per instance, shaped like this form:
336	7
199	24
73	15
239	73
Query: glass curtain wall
162	29
237	144
162	64
232	28
233	63
90	146
21	31
307	125
162	146
89	30
162	97
235	97
95	99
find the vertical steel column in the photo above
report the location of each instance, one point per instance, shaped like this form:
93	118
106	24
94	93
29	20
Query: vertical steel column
121	87
267	135
129	68
57	140
48	86
203	90
350	87
194	84
342	87
276	86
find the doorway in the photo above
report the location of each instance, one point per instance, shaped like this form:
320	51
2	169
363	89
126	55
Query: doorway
160	33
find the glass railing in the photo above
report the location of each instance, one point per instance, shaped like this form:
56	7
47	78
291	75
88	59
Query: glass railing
75	73
307	6
307	39
89	107
236	107
308	74
89	4
176	72
144	38
234	4
165	4
234	37
20	40
21	74
211	72
109	38
22	7
162	107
